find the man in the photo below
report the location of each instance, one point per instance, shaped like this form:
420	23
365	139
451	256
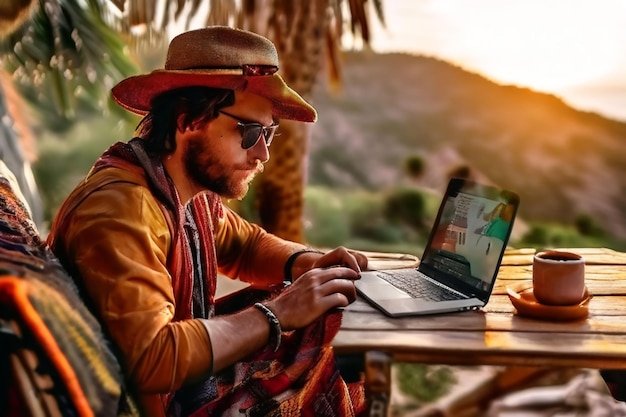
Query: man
146	233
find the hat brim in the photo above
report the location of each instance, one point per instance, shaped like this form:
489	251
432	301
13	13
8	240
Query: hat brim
136	93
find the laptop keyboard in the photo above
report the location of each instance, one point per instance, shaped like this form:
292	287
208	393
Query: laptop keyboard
419	285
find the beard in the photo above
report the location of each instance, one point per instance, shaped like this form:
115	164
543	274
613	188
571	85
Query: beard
206	169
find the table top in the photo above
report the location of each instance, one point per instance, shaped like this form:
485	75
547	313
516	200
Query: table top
498	334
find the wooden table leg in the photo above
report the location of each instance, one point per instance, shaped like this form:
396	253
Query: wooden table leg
377	383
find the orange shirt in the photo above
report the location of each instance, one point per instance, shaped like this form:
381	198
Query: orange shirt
116	244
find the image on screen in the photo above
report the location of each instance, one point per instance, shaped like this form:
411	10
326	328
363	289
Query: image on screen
473	228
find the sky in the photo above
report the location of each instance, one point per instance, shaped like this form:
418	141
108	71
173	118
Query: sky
575	49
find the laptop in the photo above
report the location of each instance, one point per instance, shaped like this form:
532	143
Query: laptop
458	268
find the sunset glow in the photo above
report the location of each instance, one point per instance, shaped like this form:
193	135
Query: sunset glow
551	46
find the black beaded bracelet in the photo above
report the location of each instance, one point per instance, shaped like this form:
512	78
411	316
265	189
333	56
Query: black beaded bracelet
292	259
275	329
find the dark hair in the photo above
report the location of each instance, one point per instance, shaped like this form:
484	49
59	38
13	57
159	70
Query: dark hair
198	104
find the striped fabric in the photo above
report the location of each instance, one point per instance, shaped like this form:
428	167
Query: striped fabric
38	296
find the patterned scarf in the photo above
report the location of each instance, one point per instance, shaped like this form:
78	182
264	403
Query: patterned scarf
301	379
192	261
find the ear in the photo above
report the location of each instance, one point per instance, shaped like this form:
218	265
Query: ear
182	127
180	123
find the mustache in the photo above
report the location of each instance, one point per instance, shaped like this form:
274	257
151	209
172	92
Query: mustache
257	166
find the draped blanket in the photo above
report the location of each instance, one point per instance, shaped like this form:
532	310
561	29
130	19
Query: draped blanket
301	379
41	306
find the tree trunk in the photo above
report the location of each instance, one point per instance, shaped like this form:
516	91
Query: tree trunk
280	189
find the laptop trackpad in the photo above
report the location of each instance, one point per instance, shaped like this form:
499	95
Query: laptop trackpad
370	284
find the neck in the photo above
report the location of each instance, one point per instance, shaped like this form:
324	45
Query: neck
176	170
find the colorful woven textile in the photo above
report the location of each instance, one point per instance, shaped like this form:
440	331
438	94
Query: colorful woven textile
300	380
38	295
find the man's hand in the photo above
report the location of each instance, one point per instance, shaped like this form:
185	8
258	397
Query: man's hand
313	294
327	283
341	256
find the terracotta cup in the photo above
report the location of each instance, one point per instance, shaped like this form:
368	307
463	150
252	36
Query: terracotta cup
558	277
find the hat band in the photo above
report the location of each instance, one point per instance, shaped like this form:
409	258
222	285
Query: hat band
249	70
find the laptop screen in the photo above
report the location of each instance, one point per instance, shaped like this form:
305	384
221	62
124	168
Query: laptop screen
470	235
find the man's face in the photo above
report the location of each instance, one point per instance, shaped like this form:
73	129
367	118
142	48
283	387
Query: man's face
213	156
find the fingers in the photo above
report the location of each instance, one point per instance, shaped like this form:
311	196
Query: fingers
351	262
361	260
336	287
341	292
313	294
342	256
334	293
322	275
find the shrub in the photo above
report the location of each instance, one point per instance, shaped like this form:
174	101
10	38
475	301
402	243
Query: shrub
424	383
406	206
586	225
326	221
414	166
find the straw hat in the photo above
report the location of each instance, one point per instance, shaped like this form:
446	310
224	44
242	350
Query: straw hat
221	57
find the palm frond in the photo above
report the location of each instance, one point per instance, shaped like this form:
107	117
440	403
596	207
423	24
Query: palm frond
274	18
69	55
65	59
378	8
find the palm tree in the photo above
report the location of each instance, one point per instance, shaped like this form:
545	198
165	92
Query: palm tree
61	52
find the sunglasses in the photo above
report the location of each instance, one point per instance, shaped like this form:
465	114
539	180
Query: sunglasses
251	132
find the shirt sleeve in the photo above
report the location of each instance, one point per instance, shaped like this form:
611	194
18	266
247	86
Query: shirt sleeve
119	242
247	252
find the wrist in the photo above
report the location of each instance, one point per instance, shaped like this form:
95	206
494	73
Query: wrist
291	261
275	331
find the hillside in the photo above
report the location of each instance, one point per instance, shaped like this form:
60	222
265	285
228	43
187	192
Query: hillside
563	162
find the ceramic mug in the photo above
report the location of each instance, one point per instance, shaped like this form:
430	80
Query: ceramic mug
558	277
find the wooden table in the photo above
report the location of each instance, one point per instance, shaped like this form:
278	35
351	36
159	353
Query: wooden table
497	335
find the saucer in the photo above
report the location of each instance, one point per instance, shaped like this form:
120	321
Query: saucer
523	299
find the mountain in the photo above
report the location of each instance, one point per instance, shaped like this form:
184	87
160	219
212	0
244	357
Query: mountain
563	162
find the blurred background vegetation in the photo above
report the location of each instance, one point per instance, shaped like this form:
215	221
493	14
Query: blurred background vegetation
396	218
376	172
382	150
373	183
